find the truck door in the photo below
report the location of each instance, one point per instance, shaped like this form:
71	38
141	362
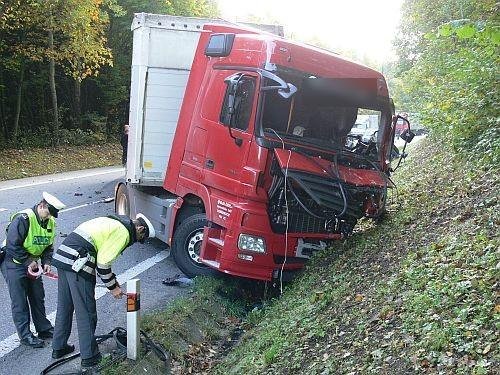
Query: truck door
232	99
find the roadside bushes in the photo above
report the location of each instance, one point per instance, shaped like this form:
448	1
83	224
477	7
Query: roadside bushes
452	81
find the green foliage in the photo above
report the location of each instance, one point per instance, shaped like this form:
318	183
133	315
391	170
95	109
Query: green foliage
94	122
419	17
92	45
452	83
70	137
79	137
78	27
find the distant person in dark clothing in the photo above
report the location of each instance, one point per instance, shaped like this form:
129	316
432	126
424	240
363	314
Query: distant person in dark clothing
124	143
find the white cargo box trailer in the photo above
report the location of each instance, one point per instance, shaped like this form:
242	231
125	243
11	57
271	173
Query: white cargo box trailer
163	51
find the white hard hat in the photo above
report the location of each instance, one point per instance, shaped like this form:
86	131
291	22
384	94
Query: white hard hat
150	229
54	204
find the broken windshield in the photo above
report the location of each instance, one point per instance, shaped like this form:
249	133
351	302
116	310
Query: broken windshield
329	114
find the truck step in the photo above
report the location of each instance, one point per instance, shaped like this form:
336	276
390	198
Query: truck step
216	241
211	263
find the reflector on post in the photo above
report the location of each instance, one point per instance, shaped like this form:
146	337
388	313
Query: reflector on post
133	318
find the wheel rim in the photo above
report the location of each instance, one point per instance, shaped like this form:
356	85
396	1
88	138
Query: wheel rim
194	246
122	205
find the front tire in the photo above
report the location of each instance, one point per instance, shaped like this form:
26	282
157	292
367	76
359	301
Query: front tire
186	246
122	202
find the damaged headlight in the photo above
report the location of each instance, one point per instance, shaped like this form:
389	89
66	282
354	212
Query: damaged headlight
251	243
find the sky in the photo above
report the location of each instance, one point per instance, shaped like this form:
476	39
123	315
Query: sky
359	28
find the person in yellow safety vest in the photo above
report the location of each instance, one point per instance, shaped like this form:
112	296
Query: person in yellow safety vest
93	244
30	238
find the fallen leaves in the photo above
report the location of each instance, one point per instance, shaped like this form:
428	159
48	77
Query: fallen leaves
42	161
359	297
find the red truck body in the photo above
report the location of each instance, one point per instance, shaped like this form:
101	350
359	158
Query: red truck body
254	199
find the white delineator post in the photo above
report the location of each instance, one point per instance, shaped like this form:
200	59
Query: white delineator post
133	318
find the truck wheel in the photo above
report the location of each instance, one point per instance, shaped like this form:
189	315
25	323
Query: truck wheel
186	246
122	203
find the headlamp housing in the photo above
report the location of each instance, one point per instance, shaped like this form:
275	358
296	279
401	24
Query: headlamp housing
247	242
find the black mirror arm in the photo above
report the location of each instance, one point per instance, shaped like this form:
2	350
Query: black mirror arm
231	99
402	156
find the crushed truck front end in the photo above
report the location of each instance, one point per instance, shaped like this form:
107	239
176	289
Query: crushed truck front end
274	157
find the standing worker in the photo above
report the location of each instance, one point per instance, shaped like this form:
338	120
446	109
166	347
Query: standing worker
94	243
124	143
30	237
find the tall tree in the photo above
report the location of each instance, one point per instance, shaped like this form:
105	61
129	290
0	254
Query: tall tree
18	44
451	80
74	39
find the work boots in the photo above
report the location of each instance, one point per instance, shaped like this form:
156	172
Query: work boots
32	341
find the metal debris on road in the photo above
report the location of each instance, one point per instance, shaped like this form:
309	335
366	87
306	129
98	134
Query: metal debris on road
177	280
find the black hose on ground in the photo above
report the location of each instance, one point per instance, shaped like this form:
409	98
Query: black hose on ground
120	336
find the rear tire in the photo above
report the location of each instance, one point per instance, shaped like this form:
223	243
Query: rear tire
186	246
122	202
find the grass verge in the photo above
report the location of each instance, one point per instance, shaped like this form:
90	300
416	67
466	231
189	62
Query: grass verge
19	163
194	328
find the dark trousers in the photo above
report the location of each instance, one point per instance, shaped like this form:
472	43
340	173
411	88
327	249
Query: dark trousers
76	294
24	290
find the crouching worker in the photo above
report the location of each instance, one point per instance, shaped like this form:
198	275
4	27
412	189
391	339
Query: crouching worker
94	243
30	238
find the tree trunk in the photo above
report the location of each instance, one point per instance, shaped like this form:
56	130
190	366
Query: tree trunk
53	92
109	124
3	114
15	127
78	105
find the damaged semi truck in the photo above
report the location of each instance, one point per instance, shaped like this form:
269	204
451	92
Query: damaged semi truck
240	145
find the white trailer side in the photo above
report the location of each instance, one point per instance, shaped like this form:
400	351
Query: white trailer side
163	52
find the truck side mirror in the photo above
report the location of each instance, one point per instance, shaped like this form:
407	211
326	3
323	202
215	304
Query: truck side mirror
219	45
402	127
407	135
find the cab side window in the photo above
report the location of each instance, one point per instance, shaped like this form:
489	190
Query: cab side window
237	106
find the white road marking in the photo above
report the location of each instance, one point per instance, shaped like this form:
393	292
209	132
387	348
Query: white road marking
57	179
12	342
104	200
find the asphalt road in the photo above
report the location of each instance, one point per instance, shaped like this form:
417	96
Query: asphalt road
83	192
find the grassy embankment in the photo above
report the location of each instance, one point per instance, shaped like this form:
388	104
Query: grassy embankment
19	163
416	293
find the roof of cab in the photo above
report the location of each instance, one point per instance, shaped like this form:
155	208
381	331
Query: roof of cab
276	50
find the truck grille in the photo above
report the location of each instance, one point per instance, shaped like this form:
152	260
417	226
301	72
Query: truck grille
314	205
302	222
